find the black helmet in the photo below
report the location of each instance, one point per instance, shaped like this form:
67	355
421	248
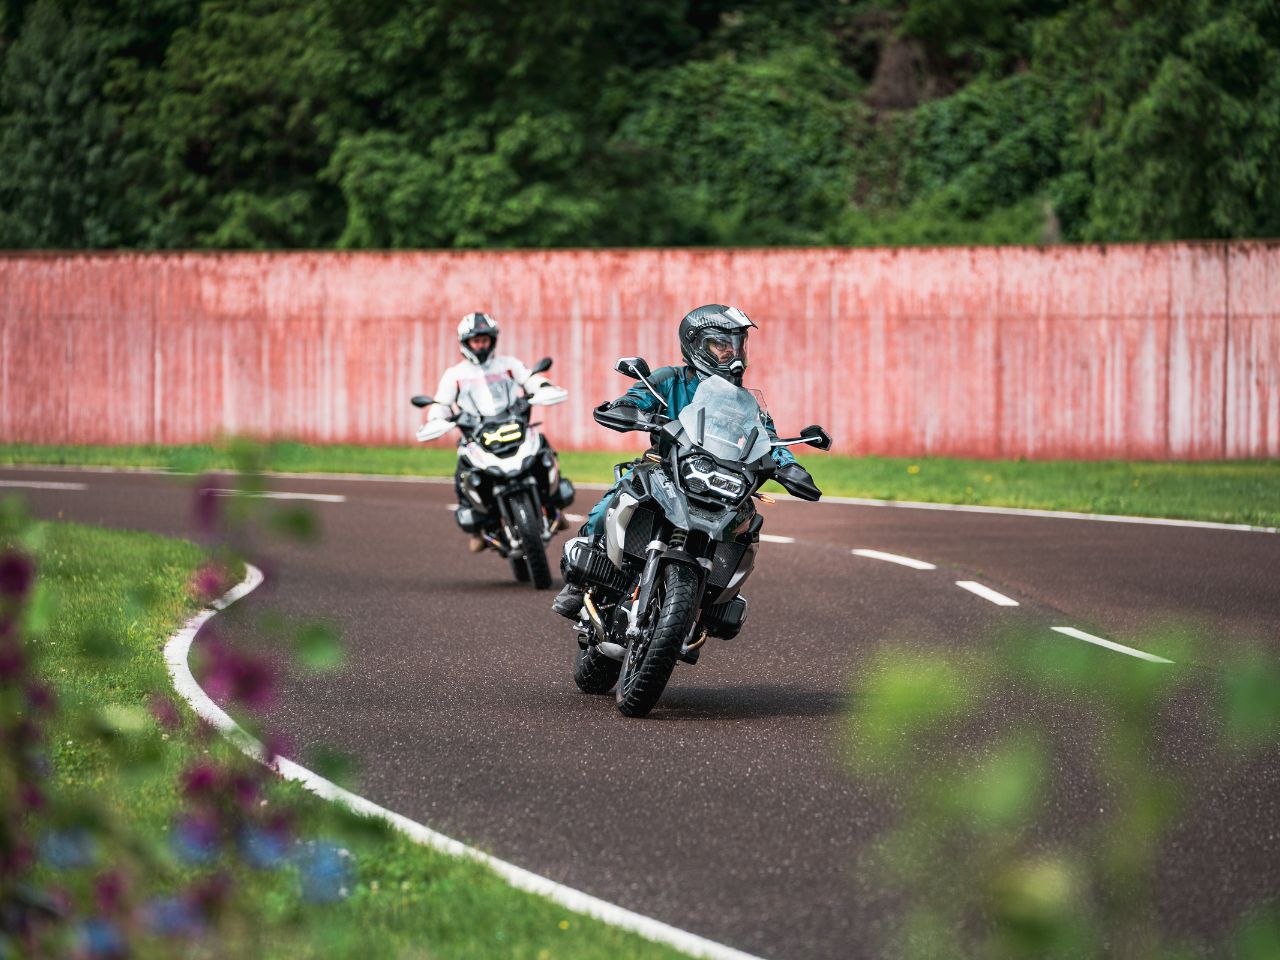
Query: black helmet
713	340
472	325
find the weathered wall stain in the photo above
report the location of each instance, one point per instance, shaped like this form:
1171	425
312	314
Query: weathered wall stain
1160	351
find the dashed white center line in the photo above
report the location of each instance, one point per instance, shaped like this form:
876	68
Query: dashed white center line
986	593
1110	644
773	538
43	485
894	558
280	495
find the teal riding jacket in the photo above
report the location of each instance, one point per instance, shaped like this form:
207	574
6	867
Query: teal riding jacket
677	385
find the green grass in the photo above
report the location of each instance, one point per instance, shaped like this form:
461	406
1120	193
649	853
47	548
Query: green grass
1229	491
120	595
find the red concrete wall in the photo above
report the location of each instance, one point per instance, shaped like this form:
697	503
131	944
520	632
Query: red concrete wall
1130	351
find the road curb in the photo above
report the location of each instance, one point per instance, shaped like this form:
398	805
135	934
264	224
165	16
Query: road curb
176	651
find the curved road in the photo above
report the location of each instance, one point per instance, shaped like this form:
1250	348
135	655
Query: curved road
726	812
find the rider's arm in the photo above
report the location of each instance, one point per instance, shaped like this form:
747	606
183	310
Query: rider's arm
781	455
664	381
445	397
521	375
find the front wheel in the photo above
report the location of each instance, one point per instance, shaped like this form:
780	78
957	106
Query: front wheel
651	656
528	526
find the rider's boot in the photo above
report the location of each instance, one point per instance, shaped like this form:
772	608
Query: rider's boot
568	602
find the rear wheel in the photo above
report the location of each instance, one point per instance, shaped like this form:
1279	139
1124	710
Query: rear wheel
528	526
593	672
651	657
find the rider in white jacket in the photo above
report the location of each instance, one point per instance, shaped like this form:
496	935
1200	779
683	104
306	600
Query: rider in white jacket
478	339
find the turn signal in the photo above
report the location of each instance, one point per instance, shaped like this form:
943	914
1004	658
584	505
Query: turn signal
765	498
654	457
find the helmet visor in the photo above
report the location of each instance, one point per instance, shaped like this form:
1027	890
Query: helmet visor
723	347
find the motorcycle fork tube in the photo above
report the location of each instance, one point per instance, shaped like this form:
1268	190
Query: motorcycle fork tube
640	606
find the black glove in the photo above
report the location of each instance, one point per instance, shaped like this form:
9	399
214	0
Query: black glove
622	402
796	481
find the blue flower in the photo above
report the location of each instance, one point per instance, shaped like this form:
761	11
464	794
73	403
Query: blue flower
174	917
68	849
327	871
195	840
100	939
263	849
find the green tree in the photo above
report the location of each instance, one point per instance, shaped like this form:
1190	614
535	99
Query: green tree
1177	113
63	169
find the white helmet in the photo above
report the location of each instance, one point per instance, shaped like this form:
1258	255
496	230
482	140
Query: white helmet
473	325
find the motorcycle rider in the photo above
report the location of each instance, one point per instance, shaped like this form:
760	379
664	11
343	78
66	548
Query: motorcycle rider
477	341
713	343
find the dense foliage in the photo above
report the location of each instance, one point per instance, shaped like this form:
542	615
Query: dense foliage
446	123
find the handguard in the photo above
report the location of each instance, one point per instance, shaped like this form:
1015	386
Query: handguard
796	480
548	395
434	430
624	418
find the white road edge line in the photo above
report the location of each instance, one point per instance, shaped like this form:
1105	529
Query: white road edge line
774	538
986	593
279	495
43	485
1110	644
852	501
894	558
176	651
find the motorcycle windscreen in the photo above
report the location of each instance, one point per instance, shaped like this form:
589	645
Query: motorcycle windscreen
487	395
725	421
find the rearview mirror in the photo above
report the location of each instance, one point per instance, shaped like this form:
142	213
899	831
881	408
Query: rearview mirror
421	401
542	365
815	436
633	367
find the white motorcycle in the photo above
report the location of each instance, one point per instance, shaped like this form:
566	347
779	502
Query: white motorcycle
510	491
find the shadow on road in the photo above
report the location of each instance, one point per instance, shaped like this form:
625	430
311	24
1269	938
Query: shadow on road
747	703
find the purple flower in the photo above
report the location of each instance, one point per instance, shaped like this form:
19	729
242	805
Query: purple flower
108	892
16	574
238	677
207	582
206	511
164	711
12	662
199	779
246	791
326	871
41	697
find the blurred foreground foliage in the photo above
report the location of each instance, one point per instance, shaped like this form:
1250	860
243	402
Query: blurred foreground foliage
1054	800
439	123
131	828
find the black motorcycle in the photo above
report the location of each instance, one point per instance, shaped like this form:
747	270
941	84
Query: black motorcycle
510	491
680	539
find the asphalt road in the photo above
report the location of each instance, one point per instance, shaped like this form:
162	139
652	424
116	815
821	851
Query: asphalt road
727	811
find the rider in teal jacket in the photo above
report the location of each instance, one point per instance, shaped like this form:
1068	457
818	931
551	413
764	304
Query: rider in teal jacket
713	341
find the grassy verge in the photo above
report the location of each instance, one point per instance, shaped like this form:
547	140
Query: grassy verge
108	602
1229	491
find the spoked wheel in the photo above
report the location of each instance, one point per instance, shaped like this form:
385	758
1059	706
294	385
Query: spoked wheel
593	672
529	527
651	656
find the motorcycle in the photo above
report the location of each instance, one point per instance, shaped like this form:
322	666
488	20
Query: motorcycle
510	489
680	539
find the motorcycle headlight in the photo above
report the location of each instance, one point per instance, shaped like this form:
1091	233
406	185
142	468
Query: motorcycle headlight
701	475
